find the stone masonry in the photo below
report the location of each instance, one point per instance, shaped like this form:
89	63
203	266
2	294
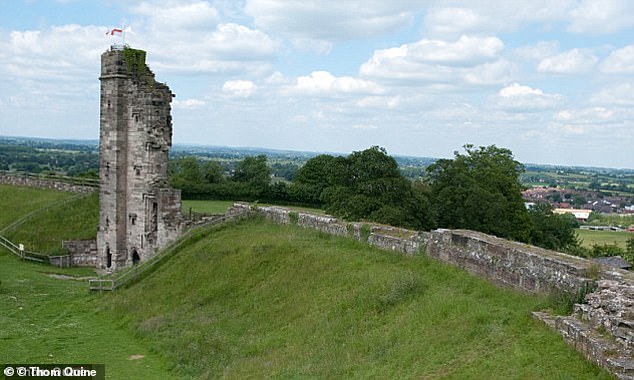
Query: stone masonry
138	211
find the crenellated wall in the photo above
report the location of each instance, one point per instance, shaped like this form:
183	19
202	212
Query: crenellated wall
602	328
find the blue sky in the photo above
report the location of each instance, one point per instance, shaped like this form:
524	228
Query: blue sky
550	80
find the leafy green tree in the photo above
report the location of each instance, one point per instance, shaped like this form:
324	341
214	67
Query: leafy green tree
553	231
317	174
212	172
254	174
480	190
189	170
371	187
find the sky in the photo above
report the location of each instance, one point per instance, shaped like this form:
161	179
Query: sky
551	80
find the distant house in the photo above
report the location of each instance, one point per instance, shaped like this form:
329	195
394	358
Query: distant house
579	214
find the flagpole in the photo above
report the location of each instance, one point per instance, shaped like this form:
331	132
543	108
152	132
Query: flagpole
123	34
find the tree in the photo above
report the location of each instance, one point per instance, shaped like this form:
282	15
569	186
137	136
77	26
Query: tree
212	172
317	174
480	190
553	231
367	185
254	174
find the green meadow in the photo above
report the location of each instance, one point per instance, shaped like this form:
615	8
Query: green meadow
252	299
590	238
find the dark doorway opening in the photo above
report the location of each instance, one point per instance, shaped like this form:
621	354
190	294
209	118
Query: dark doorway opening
135	257
108	258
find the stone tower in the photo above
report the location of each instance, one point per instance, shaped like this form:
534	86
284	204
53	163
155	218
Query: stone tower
138	211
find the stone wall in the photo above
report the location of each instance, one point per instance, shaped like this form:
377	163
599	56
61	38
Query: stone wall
518	265
602	328
83	253
43	183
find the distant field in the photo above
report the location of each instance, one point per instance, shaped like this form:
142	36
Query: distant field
604	237
205	206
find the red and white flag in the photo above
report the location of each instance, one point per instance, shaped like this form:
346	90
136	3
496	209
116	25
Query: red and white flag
115	31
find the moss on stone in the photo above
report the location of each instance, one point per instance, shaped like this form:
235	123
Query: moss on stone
135	60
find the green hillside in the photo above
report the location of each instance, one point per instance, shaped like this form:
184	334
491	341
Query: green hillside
17	201
254	299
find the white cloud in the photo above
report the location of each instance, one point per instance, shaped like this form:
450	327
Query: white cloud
332	21
364	126
620	61
575	61
188	103
465	51
591	115
518	98
324	83
468	60
601	16
452	21
59	52
239	88
538	51
389	102
170	16
619	95
489	73
190	37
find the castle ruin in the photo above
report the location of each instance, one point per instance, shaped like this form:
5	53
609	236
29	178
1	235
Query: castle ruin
138	211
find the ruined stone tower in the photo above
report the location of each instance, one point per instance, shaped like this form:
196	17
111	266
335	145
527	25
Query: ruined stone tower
138	211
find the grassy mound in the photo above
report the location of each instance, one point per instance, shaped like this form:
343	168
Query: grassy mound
17	201
44	232
259	300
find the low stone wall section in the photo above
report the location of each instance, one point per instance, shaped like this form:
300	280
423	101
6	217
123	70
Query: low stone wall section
518	265
83	253
43	183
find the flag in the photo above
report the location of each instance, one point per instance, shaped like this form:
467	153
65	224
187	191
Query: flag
113	31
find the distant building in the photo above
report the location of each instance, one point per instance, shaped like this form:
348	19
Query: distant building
579	214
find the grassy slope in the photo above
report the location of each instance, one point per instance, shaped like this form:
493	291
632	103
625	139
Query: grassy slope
48	320
256	299
45	232
17	201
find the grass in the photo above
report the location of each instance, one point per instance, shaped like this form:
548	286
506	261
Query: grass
49	320
70	221
206	206
17	201
589	237
254	300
